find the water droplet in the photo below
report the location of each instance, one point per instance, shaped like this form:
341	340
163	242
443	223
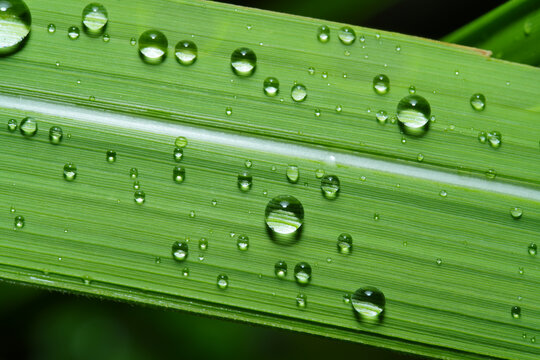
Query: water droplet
302	273
29	126
12	125
533	249
70	172
319	173
106	38
271	86
185	272
382	116
203	244
412	89
179	174
214	202
16	20
243	62
228	111
12	209
51	28
339	108
323	34
153	46
74	32
301	300
248	164
330	186
533	339
347	35
110	156
293	173
222	281
346	298
438	261
413	114
19	222
491	174
478	102
344	243
516	212
133	173
376	216
178	154
494	138
280	269
369	302
482	137
133	41
284	215
136	185
139	196
157	260
181	142
521	271
443	193
245	181
94	19
186	52
317	112
180	250
324	75
192	214
298	92
420	158
398	48
92	98
55	135
515	312
242	242
381	84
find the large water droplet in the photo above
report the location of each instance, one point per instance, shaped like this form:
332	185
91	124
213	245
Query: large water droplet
186	52
70	172
245	181
284	215
94	19
413	114
347	35
344	243
242	242
381	84
302	273
180	250
74	32
139	197
55	135
12	125
494	138
330	186
532	249
323	33
15	21
19	222
515	311
110	156
298	92
29	126
280	269
516	212
271	86
179	174
178	154
243	62
153	46
293	174
369	302
222	281
478	102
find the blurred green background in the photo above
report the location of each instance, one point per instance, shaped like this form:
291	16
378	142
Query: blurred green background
40	324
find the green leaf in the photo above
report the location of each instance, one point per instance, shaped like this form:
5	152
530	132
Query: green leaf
429	228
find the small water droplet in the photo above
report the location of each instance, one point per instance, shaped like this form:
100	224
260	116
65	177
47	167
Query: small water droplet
533	339
271	86
339	108
157	260
482	137
324	75
245	181
438	261
284	215
412	89
382	116
248	164
344	243
398	48
280	269
12	125
214	202
94	19
133	173
515	312
347	35
495	139
74	32
317	112
242	242
319	173
346	298
110	156
203	244
139	197
136	185
478	102
179	174
443	193
153	46
19	222
180	250
228	111
293	174
92	98
413	114
185	272
381	84
181	142
323	34
521	271
51	28
178	154
70	172
12	209
55	135
516	212
16	25
301	301
302	273
532	249
368	302
376	216
192	214
29	126
222	281
491	174
186	52
133	41
330	186
420	157
106	38
243	61
298	92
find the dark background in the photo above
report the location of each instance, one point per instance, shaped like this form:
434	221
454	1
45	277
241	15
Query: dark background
38	324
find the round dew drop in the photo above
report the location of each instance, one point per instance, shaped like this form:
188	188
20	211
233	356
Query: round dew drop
516	213
12	125
298	92
19	222
203	244
413	114
180	250
133	173
271	86
482	137
284	215
280	269
51	28
55	135
478	102
347	35
153	47
381	84
330	186
181	142
323	34
532	249
70	172
186	52
381	116
178	154
293	174
344	243
302	273
245	181
179	174
368	302
15	25
74	32
139	197
515	311
29	126
494	139
301	301
94	19
243	62
110	156
242	242
222	281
